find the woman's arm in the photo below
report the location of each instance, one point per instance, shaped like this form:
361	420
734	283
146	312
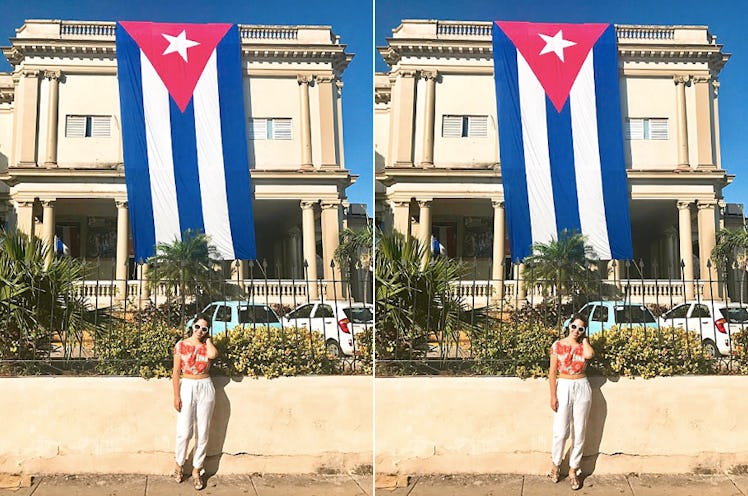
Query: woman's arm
175	381
211	352
552	381
587	350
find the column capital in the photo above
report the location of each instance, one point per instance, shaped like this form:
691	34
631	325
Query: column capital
329	204
120	203
407	73
48	203
294	232
429	74
701	79
681	79
52	74
684	204
715	87
307	205
304	79
324	78
29	73
497	204
400	203
424	202
704	204
24	203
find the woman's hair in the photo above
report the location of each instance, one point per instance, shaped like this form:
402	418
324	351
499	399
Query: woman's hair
202	316
579	316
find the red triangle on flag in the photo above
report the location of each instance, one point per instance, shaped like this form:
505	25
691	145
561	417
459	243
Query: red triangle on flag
166	45
573	42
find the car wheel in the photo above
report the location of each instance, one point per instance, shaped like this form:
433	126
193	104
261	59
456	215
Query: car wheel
333	348
710	349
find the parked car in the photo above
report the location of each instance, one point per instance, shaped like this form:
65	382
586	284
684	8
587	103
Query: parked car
714	321
606	314
229	314
338	321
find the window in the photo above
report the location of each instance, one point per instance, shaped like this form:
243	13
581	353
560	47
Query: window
324	312
646	129
359	315
465	126
223	314
256	314
700	311
88	126
633	314
600	314
270	129
301	313
678	312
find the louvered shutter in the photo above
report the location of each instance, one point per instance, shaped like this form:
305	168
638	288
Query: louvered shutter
477	126
282	129
258	129
75	126
100	126
452	126
658	129
635	129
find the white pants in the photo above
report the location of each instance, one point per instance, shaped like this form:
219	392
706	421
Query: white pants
198	398
574	400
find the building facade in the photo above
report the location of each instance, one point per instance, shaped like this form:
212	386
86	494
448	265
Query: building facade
437	147
61	144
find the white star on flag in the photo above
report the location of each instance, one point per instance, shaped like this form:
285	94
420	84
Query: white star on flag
180	44
555	44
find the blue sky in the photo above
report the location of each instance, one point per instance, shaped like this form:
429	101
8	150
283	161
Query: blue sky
351	20
726	20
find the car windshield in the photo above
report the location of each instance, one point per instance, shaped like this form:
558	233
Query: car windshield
257	315
633	314
736	315
359	315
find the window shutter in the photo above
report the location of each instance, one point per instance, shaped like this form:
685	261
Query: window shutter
101	126
452	126
258	129
658	129
634	129
75	126
282	129
477	126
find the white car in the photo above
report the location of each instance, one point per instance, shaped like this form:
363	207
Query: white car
338	321
714	321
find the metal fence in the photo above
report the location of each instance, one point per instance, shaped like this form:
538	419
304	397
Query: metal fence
79	329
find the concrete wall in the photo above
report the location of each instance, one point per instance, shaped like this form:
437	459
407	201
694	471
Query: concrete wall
127	425
488	425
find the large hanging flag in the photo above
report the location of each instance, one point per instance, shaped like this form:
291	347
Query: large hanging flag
561	138
184	137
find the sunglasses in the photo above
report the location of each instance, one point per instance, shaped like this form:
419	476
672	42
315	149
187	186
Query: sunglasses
575	327
198	327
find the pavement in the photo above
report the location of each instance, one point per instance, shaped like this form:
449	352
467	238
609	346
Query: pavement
361	485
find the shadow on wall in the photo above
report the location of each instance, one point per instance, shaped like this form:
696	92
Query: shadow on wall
218	425
595	424
3	162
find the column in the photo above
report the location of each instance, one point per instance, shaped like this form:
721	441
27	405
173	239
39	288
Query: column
428	118
293	251
309	246
327	130
424	224
401	214
704	121
497	268
519	273
330	241
120	263
25	217
344	213
27	117
145	290
707	240
670	258
306	128
406	83
717	154
48	230
52	117
339	104
680	94
686	251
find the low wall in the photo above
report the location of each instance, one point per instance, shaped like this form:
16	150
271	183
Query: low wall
493	424
127	425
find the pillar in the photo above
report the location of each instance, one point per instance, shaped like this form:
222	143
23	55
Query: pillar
424	224
293	252
143	278
52	117
401	217
25	217
704	121
120	263
327	130
497	267
330	241
686	252
48	231
26	116
717	154
680	94
339	104
707	240
428	118
670	259
306	128
519	271
406	82
309	246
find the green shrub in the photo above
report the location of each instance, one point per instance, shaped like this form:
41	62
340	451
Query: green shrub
364	359
272	352
133	349
513	349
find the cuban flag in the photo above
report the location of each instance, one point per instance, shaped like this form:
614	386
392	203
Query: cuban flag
561	137
183	133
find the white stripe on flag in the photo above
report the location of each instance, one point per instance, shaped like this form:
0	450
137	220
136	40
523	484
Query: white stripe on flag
537	158
587	160
160	159
210	160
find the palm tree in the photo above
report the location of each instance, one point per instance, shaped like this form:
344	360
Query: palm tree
562	265
731	249
354	253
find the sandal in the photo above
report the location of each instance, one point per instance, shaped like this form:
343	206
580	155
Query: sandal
575	484
555	474
178	474
199	482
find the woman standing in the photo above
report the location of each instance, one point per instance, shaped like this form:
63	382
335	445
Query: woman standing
194	396
571	396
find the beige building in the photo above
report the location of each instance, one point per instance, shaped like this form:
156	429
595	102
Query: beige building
437	148
61	145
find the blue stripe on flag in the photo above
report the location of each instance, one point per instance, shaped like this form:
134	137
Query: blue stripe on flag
235	157
135	149
610	137
512	153
563	176
186	174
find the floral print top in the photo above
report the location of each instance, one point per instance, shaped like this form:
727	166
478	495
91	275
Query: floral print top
194	358
570	358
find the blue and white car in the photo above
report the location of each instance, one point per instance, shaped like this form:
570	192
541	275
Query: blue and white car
226	315
603	315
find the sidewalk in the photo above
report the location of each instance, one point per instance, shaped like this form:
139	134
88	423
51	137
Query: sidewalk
219	485
602	485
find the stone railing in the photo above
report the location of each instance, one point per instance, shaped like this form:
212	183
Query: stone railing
626	32
83	29
87	29
463	29
268	32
